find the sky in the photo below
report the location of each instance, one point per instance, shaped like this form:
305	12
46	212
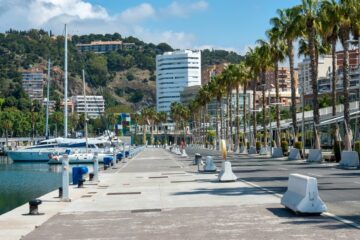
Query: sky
184	24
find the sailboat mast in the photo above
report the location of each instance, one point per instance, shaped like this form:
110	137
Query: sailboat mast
48	102
66	87
85	115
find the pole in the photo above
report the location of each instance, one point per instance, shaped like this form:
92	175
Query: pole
47	102
86	130
65	178
66	88
96	167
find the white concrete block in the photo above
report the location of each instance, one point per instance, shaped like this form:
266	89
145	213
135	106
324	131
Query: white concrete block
252	150
294	154
209	165
302	195
315	155
349	159
226	174
264	151
277	152
184	154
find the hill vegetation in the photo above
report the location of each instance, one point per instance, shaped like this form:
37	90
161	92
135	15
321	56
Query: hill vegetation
126	77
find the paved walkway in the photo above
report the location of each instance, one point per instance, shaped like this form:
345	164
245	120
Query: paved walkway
158	195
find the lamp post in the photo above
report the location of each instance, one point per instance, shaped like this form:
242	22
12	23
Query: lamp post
358	70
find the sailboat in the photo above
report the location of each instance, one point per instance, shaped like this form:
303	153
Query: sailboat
77	157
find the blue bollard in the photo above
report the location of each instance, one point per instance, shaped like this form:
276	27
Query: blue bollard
107	161
78	174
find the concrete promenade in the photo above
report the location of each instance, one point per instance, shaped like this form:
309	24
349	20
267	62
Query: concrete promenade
158	195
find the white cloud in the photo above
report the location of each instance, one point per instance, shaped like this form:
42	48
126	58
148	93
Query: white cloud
182	9
84	17
138	13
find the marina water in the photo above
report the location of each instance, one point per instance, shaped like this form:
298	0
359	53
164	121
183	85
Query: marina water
21	182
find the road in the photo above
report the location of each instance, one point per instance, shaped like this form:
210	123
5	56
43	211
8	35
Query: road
339	188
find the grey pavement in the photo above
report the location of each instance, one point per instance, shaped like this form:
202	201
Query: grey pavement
158	195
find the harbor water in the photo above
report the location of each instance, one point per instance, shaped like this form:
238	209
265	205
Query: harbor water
21	182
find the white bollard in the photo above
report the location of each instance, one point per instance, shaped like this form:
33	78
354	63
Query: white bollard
315	155
252	150
302	195
277	152
96	167
226	174
349	159
264	151
65	178
183	154
294	154
209	165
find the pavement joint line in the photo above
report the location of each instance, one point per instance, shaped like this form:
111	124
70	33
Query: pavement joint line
357	182
315	175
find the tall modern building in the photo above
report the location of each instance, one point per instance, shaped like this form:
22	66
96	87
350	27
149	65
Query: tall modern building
175	71
33	83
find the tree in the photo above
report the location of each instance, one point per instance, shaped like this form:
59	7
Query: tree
287	23
277	54
349	23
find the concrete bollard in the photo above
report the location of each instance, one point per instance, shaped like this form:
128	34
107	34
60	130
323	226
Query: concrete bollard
183	154
91	176
294	154
65	178
349	159
315	155
96	167
209	165
34	206
252	150
264	151
277	152
114	161
302	195
226	174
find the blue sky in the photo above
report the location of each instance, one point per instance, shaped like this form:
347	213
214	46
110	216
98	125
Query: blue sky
227	24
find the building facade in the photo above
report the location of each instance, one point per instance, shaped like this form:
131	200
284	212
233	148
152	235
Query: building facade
103	46
95	105
175	71
324	69
33	83
353	59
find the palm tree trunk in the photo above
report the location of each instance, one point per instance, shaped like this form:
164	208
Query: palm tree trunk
237	120
221	120
264	107
293	90
144	134
333	88
217	123
227	117
244	113
313	74
277	107
254	114
348	133
230	123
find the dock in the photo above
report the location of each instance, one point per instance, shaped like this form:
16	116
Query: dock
159	195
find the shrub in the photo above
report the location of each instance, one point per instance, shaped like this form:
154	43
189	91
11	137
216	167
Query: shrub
298	145
258	146
285	146
248	145
338	146
273	143
357	147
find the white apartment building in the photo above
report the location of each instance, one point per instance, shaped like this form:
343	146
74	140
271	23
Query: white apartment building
175	71
33	83
324	68
95	105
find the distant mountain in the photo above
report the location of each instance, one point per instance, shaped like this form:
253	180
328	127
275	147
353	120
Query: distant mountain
125	77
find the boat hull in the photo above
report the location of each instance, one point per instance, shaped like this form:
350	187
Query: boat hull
19	156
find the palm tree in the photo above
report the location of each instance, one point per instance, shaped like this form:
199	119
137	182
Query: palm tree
309	14
288	25
252	60
277	53
349	23
244	82
329	22
264	53
218	92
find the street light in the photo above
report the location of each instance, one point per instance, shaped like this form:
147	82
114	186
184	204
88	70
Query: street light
358	70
